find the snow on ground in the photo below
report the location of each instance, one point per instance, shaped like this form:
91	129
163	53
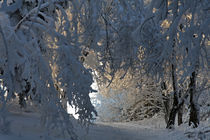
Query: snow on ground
129	131
25	126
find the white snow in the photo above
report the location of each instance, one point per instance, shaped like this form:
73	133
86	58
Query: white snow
26	126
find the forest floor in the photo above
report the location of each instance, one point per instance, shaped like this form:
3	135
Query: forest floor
26	126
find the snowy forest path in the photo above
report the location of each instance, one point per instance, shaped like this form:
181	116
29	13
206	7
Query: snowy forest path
26	126
126	131
117	131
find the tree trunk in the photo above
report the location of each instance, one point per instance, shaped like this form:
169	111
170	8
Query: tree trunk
173	112
22	101
194	109
180	114
166	101
180	111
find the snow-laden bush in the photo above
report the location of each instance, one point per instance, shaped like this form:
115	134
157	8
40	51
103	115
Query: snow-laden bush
124	101
126	106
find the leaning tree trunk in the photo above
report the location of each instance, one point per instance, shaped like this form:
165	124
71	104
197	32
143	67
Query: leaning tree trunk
194	108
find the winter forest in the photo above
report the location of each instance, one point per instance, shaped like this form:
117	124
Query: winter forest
104	69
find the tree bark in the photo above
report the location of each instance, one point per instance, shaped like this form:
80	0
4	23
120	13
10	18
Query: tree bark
166	101
194	109
180	114
180	111
166	108
173	112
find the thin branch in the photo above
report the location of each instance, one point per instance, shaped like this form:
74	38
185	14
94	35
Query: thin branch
39	7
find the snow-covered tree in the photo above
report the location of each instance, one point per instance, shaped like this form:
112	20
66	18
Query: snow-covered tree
111	36
174	37
40	46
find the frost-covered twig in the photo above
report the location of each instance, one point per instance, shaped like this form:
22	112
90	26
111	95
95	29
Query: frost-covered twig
34	10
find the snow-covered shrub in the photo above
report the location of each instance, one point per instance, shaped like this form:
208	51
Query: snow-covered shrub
148	102
125	100
127	106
